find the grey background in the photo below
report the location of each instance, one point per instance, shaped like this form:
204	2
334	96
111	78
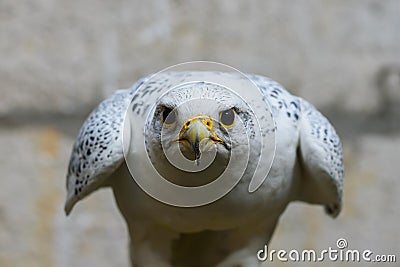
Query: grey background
60	58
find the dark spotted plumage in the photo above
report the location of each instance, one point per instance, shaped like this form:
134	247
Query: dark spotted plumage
322	153
98	151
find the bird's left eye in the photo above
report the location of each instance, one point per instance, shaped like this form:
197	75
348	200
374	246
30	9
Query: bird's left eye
168	116
227	117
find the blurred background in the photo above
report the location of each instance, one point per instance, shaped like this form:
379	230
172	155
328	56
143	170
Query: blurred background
59	59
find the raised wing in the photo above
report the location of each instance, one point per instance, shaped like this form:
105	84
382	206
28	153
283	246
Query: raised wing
321	160
98	148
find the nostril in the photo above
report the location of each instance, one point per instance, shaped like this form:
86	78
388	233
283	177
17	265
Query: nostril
187	123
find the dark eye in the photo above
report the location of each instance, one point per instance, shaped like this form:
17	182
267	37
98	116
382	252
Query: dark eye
227	117
168	116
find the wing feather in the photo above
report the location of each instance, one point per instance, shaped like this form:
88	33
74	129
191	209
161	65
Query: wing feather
320	154
98	148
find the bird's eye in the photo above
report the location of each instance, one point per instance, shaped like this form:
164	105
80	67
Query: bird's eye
227	117
168	116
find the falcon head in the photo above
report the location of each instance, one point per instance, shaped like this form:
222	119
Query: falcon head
198	122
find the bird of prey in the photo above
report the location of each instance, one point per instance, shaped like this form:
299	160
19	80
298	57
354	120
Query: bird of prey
178	118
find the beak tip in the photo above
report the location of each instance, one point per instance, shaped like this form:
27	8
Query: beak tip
192	136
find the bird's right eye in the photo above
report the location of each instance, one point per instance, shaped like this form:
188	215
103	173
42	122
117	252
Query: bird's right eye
168	116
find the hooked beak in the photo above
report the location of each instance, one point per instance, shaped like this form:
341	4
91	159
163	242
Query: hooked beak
196	131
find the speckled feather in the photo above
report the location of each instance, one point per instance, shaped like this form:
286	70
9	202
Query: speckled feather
320	147
321	154
98	151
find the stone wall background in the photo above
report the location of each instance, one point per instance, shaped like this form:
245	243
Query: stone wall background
60	58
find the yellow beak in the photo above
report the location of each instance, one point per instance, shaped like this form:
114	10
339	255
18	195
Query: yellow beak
194	131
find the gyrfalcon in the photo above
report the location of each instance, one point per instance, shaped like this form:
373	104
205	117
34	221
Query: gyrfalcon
205	121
